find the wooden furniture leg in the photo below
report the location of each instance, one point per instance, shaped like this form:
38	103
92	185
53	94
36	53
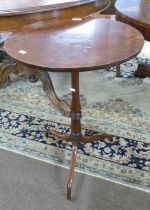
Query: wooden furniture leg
9	66
61	105
118	70
72	167
76	136
143	71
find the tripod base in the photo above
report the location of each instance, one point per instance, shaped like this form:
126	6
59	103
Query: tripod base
76	136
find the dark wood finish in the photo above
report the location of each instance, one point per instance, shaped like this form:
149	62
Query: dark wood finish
75	46
118	70
76	136
17	13
137	14
143	71
72	167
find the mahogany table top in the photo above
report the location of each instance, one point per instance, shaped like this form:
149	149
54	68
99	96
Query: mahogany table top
14	7
136	10
17	13
74	45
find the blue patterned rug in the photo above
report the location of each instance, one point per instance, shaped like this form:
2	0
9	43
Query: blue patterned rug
116	106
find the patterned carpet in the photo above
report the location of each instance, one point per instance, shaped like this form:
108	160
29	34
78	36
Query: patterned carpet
116	106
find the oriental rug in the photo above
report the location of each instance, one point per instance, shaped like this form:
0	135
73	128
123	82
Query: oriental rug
118	106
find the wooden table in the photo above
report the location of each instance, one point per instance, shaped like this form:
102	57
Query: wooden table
137	14
15	14
73	47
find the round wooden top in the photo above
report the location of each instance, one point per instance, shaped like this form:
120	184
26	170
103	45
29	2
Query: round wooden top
74	45
16	7
15	14
136	10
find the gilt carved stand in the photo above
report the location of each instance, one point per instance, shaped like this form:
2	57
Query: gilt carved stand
75	46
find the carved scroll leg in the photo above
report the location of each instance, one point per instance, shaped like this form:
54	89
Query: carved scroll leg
9	66
118	72
6	68
72	167
61	105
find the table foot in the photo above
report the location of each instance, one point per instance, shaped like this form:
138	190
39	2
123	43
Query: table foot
143	71
97	137
57	134
76	138
72	167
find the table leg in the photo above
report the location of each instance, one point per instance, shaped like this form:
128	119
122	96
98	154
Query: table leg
61	105
72	167
76	136
118	70
143	70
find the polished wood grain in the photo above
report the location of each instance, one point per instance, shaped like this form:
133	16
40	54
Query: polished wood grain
137	14
15	14
75	46
15	7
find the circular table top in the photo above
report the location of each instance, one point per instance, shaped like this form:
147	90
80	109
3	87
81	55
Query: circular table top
15	14
136	10
74	45
16	7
